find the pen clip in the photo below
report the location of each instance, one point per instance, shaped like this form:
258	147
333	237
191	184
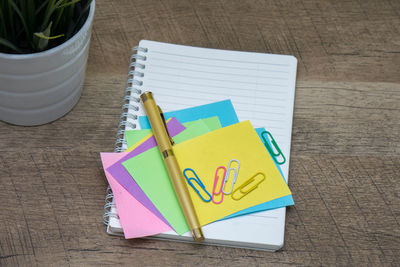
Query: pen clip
165	125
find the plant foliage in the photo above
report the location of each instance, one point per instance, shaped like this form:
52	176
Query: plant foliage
29	26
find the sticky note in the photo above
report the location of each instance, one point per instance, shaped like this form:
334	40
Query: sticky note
125	179
136	220
273	204
135	137
223	110
132	137
204	154
147	167
213	124
197	128
241	142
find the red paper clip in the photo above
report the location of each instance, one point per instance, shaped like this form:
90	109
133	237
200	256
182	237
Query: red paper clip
215	185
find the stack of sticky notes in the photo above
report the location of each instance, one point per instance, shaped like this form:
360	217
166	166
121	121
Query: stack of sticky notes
231	169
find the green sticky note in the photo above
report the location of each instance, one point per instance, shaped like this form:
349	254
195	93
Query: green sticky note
134	136
212	123
150	174
195	129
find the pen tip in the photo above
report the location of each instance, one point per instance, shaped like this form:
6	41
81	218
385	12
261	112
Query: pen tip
197	234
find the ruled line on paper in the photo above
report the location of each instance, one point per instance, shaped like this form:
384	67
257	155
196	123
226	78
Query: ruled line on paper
153	59
215	73
208	85
238	104
242	96
216	80
216	59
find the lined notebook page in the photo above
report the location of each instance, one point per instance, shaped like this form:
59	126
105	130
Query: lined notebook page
261	88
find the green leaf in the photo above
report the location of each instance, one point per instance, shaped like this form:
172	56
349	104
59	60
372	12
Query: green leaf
42	43
24	24
11	21
68	4
18	11
8	44
49	12
40	8
41	35
84	11
30	14
3	31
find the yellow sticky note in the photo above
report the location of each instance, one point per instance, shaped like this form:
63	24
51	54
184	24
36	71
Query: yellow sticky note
209	151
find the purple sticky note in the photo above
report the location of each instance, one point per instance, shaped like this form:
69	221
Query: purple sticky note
118	171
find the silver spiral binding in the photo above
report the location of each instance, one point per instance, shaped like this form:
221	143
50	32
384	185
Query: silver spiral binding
130	101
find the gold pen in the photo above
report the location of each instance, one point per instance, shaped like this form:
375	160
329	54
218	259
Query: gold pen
164	142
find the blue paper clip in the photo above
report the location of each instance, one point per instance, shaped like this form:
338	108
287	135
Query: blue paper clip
235	174
271	150
199	182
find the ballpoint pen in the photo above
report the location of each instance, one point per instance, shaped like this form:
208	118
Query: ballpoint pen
165	145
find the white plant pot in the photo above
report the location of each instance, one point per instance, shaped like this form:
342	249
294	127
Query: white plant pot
41	87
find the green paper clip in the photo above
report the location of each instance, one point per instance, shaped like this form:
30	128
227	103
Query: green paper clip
271	150
241	189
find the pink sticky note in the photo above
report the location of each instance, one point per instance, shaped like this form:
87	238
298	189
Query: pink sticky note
136	219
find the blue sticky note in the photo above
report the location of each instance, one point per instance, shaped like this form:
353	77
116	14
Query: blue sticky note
273	204
223	109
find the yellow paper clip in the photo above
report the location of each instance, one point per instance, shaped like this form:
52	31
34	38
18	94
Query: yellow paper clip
199	182
241	189
235	174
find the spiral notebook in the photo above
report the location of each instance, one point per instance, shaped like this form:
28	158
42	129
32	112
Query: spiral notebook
261	88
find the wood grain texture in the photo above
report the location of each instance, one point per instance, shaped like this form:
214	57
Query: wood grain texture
345	164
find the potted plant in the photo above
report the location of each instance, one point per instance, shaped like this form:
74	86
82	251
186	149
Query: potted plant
43	53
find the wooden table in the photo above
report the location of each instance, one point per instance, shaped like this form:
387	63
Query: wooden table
345	164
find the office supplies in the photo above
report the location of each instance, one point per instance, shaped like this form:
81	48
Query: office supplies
272	141
227	175
124	178
261	88
164	143
216	179
197	128
149	166
128	206
147	223
135	137
192	181
273	204
241	192
223	109
200	154
155	190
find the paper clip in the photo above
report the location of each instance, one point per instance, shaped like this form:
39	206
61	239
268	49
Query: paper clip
199	182
215	185
243	192
271	150
228	171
